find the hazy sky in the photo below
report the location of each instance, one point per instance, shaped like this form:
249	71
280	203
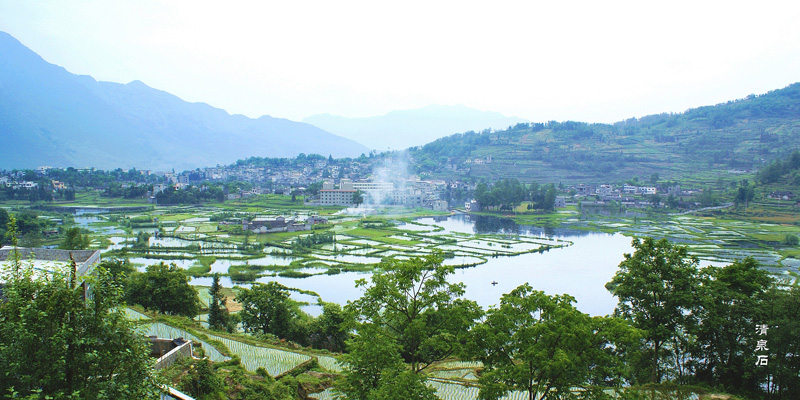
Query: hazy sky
595	61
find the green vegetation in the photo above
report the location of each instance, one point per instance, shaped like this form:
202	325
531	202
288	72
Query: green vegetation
74	240
218	316
58	345
706	141
542	345
164	288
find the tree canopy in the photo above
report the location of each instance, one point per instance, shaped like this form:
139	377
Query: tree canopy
655	290
543	345
55	344
266	310
164	288
413	305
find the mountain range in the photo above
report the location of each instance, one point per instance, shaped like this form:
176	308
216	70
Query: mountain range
709	143
49	116
402	129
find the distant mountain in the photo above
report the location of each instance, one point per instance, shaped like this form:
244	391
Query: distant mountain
49	116
399	130
700	144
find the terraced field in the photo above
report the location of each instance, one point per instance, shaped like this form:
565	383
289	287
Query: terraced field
165	331
716	240
275	361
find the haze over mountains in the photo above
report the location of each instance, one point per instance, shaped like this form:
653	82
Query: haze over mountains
49	116
399	130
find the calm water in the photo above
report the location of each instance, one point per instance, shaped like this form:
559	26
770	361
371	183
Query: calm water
580	270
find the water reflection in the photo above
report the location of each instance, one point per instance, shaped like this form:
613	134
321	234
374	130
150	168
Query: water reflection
482	224
580	270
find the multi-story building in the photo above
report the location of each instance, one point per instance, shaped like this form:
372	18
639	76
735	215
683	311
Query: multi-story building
343	196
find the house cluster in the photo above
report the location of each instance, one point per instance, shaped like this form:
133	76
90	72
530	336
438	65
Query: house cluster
629	195
782	195
407	193
285	174
610	192
281	224
16	181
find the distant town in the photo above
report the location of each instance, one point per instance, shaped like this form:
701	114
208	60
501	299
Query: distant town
365	181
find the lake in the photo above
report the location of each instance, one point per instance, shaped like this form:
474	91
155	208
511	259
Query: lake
580	270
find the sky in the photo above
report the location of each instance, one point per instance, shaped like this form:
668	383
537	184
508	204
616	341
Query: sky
592	61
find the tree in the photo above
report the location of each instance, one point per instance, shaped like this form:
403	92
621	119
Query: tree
164	288
373	369
655	200
329	330
783	319
217	315
202	381
265	309
414	306
730	304
655	290
55	344
118	269
744	194
672	201
3	223
358	198
142	240
543	345
74	240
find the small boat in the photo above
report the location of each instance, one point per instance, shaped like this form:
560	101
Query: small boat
494	283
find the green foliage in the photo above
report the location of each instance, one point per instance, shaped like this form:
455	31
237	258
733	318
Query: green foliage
202	382
542	345
329	330
265	309
358	197
74	240
791	240
413	304
118	269
55	344
505	194
744	194
3	224
304	243
655	287
218	317
191	195
780	169
226	380
131	192
783	317
164	288
373	369
27	226
734	135
721	333
142	241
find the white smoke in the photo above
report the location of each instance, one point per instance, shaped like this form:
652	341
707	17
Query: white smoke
393	170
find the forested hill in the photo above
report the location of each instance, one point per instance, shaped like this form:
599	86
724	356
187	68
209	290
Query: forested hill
744	134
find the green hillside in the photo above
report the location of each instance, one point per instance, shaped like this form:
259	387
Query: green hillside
703	143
